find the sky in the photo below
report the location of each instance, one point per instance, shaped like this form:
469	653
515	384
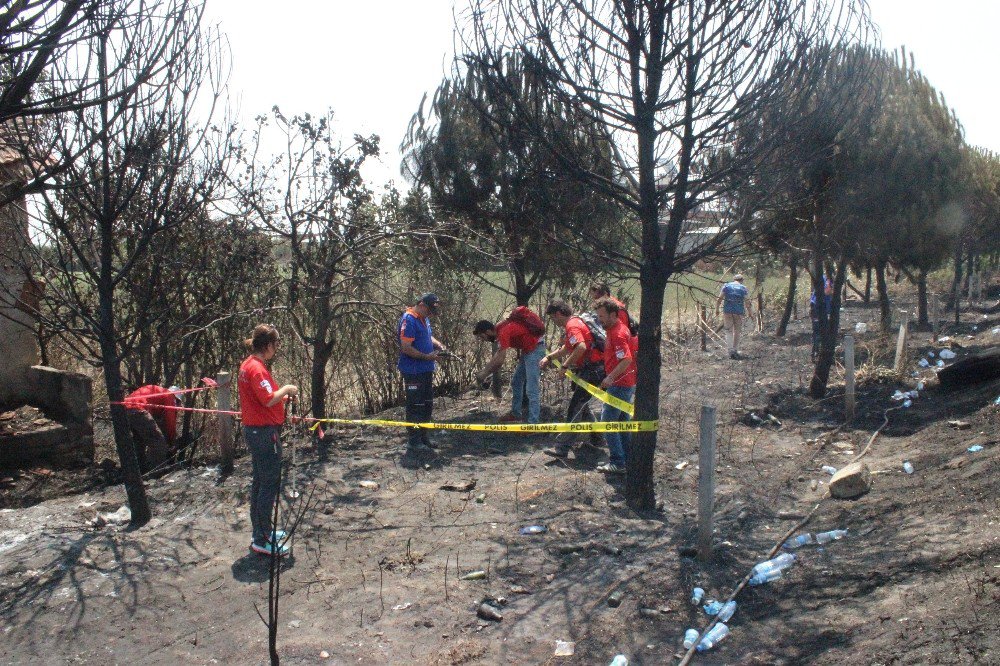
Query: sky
372	61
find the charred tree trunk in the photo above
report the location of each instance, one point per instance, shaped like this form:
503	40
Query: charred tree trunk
885	311
922	319
956	285
639	492
793	275
829	327
134	487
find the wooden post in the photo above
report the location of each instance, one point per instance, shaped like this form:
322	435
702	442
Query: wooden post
901	346
225	421
849	378
706	481
704	328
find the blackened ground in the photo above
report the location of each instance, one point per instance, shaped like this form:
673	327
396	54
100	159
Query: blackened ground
375	573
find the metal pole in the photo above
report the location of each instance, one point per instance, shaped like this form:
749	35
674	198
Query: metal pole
706	481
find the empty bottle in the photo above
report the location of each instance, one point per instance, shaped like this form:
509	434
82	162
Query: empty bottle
829	469
799	541
713	607
975	448
619	660
727	611
907	403
832	535
908	467
697	595
766	576
713	638
779	563
690	638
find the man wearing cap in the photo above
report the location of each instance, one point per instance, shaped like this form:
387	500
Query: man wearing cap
735	306
152	418
418	352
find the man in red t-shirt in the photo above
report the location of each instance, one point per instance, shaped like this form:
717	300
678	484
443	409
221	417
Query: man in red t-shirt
619	364
511	334
599	290
582	357
153	423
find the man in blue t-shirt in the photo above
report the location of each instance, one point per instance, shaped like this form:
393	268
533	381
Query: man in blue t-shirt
418	352
735	306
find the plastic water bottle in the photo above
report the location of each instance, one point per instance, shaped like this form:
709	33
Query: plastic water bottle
799	541
697	595
829	470
920	386
727	611
975	448
908	467
832	535
907	403
690	638
713	638
781	562
923	363
930	354
619	660
766	577
713	607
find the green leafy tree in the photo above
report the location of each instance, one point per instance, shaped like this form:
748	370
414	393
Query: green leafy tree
503	192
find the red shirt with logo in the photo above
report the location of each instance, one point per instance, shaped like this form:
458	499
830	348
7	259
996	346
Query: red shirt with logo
577	332
617	347
257	387
515	335
153	399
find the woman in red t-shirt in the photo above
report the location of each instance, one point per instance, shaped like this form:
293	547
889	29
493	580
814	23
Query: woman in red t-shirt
262	408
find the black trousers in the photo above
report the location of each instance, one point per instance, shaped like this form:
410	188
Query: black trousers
419	404
579	402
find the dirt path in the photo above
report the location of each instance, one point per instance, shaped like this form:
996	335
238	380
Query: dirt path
374	577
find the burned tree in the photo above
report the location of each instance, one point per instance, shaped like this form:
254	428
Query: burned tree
666	83
134	165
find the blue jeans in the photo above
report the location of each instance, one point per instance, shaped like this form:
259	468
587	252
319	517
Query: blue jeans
528	379
264	443
618	442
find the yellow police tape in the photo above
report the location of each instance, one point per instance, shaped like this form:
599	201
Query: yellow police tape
586	426
600	394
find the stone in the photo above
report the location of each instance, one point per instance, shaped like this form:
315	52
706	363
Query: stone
852	481
615	598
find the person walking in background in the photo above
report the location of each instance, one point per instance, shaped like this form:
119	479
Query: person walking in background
620	379
582	353
262	409
153	422
418	354
735	306
522	331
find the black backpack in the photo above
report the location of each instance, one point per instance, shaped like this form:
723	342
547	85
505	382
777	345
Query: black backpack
596	330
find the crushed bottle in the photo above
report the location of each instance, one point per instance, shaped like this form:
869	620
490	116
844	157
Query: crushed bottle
829	469
908	467
947	354
713	607
697	594
975	448
727	611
